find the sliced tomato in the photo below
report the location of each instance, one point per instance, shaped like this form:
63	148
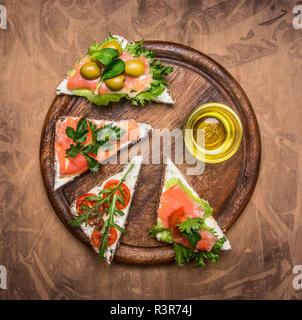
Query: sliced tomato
89	203
175	218
111	184
96	238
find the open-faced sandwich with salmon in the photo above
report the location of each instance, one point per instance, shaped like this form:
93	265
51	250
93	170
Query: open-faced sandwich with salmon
102	212
116	69
186	220
82	144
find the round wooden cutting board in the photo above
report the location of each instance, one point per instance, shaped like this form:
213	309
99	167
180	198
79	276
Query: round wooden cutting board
228	186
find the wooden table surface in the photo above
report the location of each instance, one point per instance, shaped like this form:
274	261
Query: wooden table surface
256	42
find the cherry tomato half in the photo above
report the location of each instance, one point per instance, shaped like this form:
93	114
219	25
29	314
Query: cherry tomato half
111	184
175	218
96	238
89	203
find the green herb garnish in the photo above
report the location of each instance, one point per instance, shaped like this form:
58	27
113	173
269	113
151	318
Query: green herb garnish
114	68
158	84
101	138
190	229
105	56
137	50
183	254
111	198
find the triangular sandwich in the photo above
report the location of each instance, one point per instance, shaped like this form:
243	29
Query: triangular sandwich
186	220
116	69
102	212
82	144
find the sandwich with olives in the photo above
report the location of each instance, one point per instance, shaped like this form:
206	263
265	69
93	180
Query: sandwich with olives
186	221
102	212
115	69
83	144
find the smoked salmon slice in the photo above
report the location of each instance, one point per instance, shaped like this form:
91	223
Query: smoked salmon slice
68	166
175	198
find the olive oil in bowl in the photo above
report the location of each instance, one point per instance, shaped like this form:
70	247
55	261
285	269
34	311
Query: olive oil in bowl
213	132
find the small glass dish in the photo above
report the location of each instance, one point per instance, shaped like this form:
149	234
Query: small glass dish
221	132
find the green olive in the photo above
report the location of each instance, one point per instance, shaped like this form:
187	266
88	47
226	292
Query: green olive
90	71
113	45
115	83
134	68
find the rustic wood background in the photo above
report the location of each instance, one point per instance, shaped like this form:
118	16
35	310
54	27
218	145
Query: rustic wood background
256	42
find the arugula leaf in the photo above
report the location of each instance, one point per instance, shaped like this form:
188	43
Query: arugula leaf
119	228
105	191
105	234
112	211
92	198
114	68
77	221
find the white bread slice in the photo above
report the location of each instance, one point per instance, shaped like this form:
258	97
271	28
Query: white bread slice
165	97
172	171
59	182
130	181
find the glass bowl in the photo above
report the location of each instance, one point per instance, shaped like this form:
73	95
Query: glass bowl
213	132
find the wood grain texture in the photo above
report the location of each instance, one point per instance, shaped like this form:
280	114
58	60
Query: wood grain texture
228	186
264	54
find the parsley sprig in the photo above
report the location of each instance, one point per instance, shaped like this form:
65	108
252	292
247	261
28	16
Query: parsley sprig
112	210
100	139
190	229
